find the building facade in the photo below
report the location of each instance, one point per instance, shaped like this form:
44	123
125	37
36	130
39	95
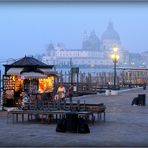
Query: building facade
94	51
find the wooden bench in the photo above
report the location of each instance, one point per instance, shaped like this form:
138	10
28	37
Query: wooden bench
97	108
94	108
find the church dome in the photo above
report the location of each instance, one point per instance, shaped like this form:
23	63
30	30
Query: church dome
110	33
91	42
94	41
50	47
93	37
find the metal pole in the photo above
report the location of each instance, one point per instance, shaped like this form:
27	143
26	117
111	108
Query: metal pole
77	82
115	74
71	76
1	89
71	70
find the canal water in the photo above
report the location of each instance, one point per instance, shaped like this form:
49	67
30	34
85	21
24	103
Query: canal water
87	70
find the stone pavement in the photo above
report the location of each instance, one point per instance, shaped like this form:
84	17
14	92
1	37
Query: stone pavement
125	126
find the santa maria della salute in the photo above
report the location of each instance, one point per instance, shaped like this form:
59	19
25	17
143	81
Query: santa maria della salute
95	51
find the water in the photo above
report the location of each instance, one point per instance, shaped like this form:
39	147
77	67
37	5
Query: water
87	70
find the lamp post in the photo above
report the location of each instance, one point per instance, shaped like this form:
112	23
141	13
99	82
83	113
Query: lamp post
115	58
0	88
71	65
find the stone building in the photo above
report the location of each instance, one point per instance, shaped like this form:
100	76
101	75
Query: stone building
94	51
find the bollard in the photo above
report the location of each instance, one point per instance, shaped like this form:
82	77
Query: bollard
108	92
114	92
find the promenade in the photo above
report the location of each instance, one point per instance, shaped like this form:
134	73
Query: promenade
125	126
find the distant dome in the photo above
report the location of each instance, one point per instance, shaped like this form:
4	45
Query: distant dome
93	37
110	33
91	42
94	41
50	47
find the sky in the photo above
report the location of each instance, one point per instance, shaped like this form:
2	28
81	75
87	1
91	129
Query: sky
28	28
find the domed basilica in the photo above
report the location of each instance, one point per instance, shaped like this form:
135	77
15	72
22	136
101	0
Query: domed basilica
95	51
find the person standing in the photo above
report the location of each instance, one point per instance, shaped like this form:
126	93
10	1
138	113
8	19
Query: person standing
25	100
61	92
144	86
70	92
40	102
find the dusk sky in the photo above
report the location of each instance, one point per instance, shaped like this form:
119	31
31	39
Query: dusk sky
27	29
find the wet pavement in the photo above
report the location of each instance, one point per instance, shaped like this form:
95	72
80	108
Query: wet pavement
125	126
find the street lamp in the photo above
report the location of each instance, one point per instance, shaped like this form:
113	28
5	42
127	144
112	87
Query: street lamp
115	58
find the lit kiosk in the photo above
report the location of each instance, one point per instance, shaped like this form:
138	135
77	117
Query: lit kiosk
26	75
115	58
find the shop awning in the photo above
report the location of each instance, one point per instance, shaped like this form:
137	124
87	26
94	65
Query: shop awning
33	75
14	71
